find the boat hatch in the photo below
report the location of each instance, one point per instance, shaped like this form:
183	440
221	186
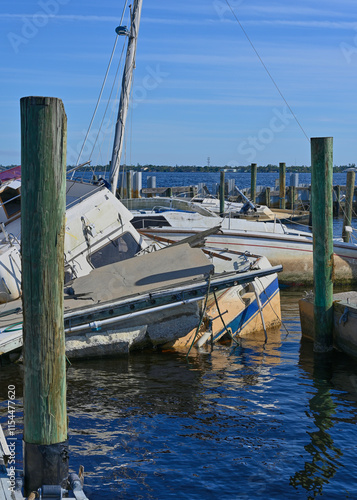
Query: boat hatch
149	221
10	200
122	248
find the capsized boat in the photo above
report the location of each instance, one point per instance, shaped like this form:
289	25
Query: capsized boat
157	288
98	232
155	299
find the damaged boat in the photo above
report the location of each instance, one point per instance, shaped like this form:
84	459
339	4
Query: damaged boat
158	298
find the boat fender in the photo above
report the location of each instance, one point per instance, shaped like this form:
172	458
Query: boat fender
344	317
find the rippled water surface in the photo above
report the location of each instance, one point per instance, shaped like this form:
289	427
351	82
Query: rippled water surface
251	421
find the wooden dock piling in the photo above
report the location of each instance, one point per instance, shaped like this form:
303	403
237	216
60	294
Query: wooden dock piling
322	170
310	207
267	196
347	219
292	196
43	159
253	182
221	193
129	185
282	181
337	206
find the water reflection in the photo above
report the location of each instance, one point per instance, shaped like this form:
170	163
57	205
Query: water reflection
249	421
325	456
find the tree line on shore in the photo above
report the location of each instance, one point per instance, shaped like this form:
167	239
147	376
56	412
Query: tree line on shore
195	168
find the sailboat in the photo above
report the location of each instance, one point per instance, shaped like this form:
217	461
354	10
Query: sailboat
122	292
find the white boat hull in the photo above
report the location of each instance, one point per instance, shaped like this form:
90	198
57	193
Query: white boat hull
294	254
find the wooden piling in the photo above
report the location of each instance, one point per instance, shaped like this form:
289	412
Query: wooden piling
310	207
322	169
129	186
253	182
282	182
43	160
337	206
267	196
221	193
347	220
292	193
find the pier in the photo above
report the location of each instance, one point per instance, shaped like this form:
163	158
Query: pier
295	196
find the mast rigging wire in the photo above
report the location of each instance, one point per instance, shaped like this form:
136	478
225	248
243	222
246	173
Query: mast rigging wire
266	69
107	106
103	85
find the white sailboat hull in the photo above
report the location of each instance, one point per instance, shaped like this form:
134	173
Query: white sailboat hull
294	253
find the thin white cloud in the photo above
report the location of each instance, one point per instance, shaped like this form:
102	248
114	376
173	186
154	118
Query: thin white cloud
216	102
344	25
64	17
291	10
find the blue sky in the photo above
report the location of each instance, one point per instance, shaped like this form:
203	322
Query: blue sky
199	88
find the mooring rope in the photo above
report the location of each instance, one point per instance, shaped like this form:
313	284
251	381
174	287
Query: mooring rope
276	314
228	330
202	316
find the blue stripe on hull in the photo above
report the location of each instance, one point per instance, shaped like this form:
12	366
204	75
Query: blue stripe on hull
240	321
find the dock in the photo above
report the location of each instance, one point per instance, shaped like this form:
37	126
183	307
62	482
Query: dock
344	321
295	197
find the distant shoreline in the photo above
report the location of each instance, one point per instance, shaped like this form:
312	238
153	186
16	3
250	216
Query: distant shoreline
193	168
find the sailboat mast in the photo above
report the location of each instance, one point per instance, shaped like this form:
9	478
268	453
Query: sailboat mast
125	94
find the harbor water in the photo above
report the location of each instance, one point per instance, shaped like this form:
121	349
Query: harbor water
248	421
242	179
252	420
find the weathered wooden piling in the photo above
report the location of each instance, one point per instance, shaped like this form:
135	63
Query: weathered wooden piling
310	207
129	184
267	196
253	182
282	182
221	193
347	219
337	205
322	170
43	160
292	195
